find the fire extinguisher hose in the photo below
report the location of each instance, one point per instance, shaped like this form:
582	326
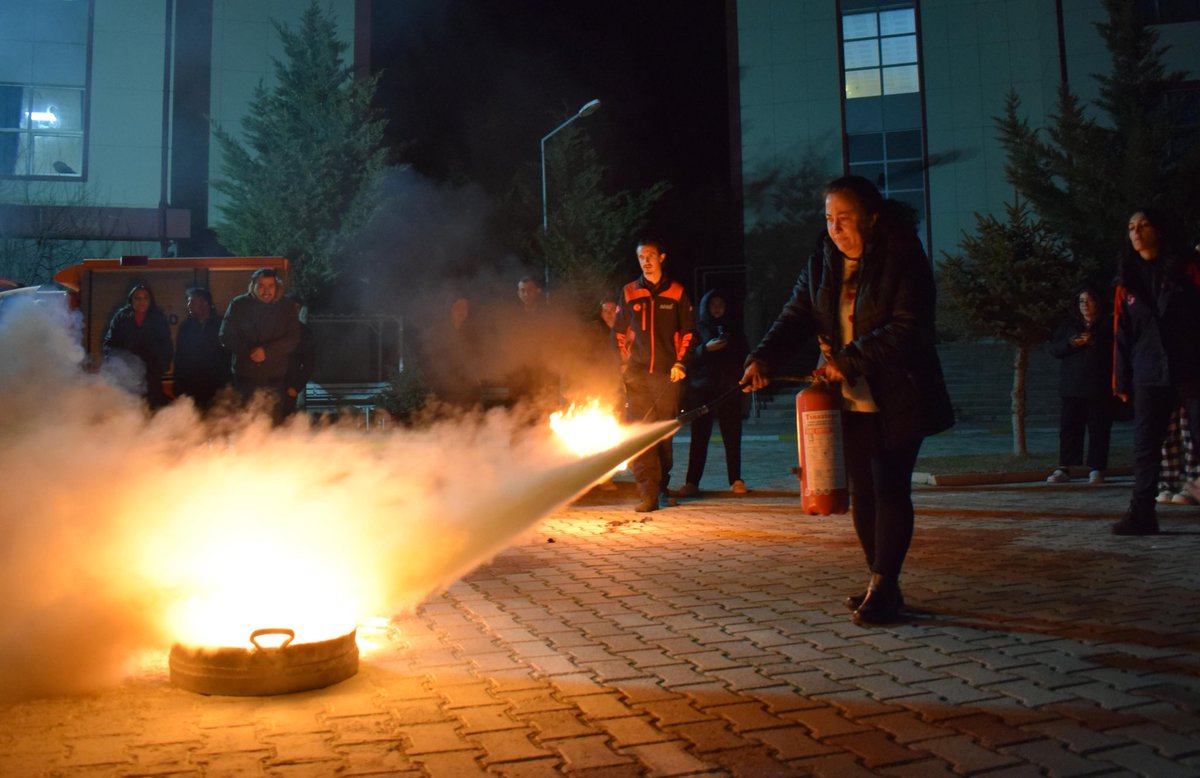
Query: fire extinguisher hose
687	417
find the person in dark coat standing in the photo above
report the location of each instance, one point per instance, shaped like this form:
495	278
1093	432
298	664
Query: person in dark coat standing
261	332
201	362
1157	364
1084	344
868	293
450	353
719	355
140	328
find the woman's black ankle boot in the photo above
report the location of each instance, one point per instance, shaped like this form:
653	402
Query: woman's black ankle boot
881	605
855	601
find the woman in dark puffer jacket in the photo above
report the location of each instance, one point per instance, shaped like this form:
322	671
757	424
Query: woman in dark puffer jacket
868	294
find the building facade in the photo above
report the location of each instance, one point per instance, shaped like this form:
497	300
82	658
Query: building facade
904	92
106	110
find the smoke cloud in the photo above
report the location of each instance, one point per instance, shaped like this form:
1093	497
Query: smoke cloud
116	526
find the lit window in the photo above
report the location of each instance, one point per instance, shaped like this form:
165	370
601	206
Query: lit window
897	22
862	83
884	124
860	26
901	50
901	80
42	88
879	53
861	54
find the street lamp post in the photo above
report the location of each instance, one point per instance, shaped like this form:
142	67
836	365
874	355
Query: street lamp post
589	108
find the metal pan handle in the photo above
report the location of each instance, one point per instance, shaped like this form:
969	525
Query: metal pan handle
288	636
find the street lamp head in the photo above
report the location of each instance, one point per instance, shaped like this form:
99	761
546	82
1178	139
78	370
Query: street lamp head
589	108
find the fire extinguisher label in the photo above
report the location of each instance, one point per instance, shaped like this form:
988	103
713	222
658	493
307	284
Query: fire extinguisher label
824	466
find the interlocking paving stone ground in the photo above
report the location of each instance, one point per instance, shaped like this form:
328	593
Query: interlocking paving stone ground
710	639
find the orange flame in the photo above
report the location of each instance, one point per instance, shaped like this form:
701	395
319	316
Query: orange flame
587	429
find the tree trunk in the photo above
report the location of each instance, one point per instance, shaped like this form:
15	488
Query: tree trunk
1020	363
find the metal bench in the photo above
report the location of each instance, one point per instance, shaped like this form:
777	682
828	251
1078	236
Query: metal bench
322	398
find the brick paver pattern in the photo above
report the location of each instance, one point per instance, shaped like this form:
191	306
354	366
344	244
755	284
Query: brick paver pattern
710	639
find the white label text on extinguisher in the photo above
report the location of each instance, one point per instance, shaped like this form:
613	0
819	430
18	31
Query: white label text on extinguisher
824	466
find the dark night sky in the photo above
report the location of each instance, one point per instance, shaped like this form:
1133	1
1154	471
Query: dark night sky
472	85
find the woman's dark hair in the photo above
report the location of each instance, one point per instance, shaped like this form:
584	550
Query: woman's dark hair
1089	288
1168	244
137	286
861	190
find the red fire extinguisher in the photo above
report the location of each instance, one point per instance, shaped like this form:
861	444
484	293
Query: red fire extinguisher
823	485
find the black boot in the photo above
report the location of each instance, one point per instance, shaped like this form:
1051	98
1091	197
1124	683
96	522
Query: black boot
855	601
1138	520
881	605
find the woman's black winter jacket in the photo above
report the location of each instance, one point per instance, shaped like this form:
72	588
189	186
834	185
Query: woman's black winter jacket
1085	371
893	343
1157	342
713	372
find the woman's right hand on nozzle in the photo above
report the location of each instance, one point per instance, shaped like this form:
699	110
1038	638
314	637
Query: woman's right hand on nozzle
755	376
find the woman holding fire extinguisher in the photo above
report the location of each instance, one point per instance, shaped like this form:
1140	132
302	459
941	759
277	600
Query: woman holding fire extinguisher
867	294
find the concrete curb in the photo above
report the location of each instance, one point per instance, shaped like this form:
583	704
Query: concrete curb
1016	477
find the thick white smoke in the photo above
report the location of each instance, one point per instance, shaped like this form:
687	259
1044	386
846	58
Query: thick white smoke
112	520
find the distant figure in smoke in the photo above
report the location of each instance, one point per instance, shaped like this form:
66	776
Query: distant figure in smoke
140	328
450	356
532	381
718	355
529	292
201	362
603	357
261	334
653	331
301	363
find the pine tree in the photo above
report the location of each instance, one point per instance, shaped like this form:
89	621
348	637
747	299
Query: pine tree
590	234
313	149
1085	176
1010	282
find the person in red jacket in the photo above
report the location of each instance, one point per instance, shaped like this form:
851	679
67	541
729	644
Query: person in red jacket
654	333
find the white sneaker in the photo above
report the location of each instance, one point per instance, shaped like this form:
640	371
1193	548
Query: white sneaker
1096	477
1059	476
1183	498
1165	496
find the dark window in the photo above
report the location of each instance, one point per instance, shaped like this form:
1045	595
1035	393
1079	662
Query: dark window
865	148
1183	103
905	144
1167	11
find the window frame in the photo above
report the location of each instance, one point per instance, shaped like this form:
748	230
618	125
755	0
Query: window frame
878	38
28	135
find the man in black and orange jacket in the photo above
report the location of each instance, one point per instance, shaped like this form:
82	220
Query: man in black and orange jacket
653	330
